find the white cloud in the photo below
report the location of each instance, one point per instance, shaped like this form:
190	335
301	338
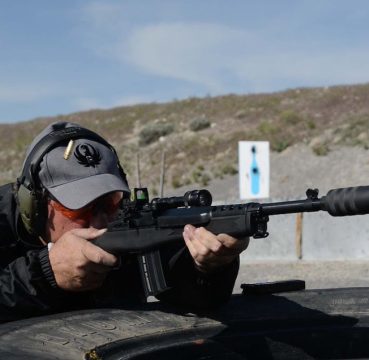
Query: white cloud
102	14
281	53
219	58
194	52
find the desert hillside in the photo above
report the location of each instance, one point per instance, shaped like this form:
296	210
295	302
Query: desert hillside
318	137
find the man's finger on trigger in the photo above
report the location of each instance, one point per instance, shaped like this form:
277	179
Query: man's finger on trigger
98	255
88	233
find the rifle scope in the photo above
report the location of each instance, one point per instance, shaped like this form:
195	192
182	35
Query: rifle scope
197	198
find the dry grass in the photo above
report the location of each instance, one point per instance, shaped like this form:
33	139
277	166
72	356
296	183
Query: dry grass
320	117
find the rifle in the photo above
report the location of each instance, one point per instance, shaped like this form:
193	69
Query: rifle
142	227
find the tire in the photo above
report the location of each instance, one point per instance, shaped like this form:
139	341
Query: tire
299	325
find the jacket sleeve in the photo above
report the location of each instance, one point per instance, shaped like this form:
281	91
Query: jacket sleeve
189	287
26	287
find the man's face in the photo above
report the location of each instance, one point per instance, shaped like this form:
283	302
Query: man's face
97	214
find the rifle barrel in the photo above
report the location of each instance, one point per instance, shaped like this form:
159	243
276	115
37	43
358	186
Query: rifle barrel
289	207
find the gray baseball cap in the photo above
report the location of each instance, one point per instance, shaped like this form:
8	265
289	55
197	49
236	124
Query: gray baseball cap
76	178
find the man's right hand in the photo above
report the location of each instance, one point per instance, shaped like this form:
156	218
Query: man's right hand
79	265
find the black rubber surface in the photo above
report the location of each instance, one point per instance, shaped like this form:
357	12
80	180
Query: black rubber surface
312	324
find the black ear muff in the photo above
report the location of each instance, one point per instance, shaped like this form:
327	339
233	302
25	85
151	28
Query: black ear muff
32	209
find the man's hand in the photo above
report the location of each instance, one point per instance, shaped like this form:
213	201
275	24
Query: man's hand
79	265
210	251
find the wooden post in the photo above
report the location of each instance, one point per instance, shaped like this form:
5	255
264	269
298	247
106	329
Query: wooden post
138	170
298	241
162	174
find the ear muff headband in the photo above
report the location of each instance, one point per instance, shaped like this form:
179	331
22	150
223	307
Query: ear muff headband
30	196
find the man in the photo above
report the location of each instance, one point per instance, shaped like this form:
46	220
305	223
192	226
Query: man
70	187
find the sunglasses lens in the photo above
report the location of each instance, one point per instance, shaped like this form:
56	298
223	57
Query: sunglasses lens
71	214
108	204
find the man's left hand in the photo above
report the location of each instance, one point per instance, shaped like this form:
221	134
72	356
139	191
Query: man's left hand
210	252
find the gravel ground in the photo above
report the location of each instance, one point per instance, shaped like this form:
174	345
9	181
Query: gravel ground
317	274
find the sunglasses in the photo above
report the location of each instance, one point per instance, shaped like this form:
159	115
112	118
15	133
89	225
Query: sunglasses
108	205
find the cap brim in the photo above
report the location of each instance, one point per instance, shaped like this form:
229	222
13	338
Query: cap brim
79	193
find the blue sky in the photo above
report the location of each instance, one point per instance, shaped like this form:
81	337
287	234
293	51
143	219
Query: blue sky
58	57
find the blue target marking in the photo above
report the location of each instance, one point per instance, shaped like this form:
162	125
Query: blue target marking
254	173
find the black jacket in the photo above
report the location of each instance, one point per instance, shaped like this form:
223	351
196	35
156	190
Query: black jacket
28	288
